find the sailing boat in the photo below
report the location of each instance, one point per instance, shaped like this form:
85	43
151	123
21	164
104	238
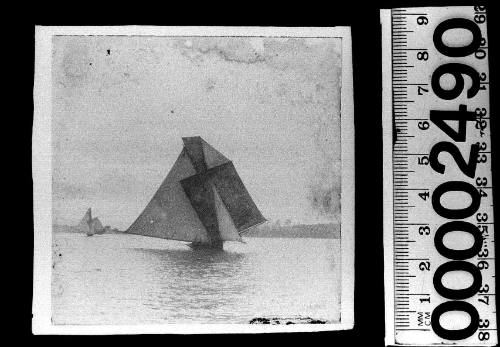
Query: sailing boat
90	225
202	200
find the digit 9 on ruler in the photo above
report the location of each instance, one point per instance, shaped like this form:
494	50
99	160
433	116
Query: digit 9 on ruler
438	206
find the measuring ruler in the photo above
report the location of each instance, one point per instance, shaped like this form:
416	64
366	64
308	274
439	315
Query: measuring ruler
438	206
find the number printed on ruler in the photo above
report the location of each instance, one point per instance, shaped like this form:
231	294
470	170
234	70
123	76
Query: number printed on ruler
439	240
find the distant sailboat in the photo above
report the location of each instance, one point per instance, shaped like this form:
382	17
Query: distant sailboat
202	200
89	225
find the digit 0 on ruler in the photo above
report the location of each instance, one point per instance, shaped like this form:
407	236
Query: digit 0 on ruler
438	206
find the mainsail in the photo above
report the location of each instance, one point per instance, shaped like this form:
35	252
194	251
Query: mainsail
96	226
84	225
202	200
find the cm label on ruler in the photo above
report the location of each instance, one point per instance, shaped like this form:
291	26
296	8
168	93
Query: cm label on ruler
442	252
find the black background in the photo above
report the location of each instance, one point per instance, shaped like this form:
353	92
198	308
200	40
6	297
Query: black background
364	20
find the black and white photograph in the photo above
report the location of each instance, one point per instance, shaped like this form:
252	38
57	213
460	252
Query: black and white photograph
193	180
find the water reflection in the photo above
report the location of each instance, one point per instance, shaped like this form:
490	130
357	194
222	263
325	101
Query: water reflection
198	261
144	280
185	279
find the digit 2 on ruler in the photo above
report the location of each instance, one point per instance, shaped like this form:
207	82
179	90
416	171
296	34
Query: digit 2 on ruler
438	206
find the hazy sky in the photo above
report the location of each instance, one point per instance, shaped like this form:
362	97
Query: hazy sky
122	104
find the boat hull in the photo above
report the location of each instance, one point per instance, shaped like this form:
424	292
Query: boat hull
206	246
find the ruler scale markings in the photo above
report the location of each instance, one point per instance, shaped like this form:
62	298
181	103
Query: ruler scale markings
412	57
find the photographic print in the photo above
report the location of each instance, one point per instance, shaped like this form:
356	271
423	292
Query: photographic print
193	180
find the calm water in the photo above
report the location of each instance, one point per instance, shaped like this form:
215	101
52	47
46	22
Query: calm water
125	279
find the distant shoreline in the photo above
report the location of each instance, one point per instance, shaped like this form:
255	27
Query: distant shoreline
316	231
60	228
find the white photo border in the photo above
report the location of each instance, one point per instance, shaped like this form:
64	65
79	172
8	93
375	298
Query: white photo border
42	181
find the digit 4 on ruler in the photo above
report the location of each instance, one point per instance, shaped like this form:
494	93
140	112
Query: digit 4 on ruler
438	206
